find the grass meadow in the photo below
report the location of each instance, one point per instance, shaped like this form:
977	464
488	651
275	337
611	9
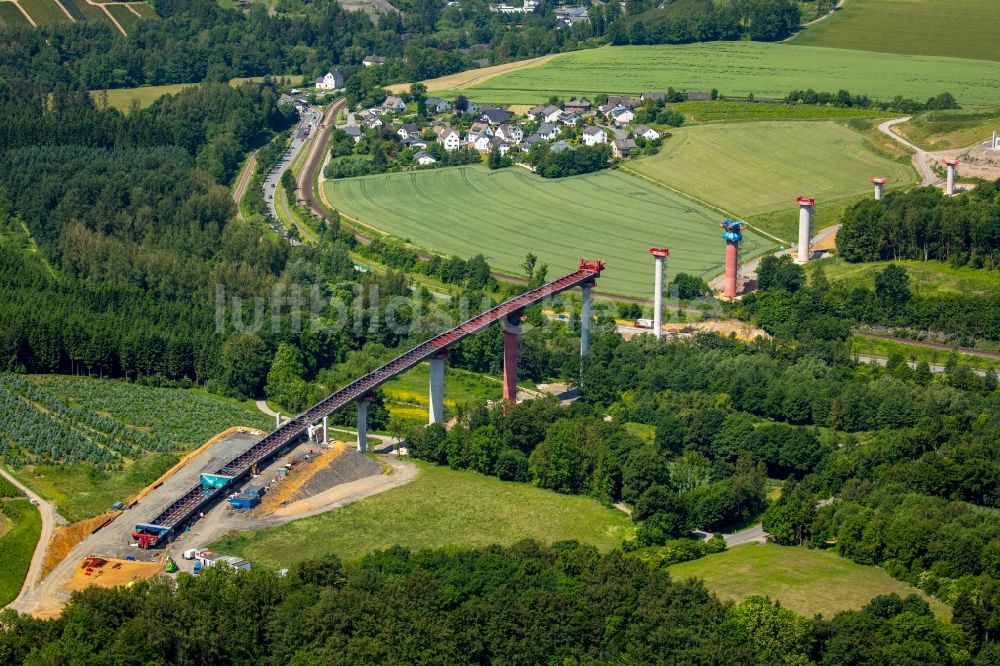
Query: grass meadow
955	28
440	507
121	98
740	68
45	12
805	580
948	130
741	111
823	159
927	278
20	527
407	395
508	213
867	345
11	16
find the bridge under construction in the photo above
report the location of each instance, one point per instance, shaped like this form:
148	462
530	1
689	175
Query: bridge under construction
186	508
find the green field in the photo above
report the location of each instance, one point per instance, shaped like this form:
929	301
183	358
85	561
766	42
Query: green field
22	526
441	507
10	15
83	11
822	159
163	423
121	98
123	15
145	10
805	580
927	278
45	12
865	345
508	213
738	111
956	28
407	395
739	68
947	130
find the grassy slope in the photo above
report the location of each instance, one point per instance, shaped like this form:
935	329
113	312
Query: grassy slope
956	28
737	111
121	98
946	130
407	394
44	12
123	15
819	159
441	507
506	214
16	548
804	580
926	278
187	417
871	346
739	68
12	16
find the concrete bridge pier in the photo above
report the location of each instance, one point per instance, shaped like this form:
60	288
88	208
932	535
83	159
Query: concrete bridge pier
363	422
437	387
511	339
585	316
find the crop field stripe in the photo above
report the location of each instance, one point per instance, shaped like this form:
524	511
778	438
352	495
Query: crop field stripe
45	12
11	16
87	11
506	214
956	28
125	18
740	68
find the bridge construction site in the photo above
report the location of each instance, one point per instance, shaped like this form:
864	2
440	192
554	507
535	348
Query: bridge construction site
180	513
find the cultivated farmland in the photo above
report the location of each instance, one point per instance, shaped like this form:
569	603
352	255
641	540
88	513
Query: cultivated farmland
125	16
44	12
508	213
957	28
785	159
10	15
946	130
736	111
740	68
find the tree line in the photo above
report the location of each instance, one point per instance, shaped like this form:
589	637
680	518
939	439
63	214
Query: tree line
521	604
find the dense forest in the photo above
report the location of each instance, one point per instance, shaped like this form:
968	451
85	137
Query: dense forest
523	604
197	40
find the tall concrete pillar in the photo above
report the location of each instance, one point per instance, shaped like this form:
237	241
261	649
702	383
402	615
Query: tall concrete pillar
326	437
732	233
277	420
511	338
805	227
660	254
879	187
363	424
585	317
952	165
437	388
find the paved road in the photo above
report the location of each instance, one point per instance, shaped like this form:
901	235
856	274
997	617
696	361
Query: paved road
935	368
919	154
748	535
300	138
32	580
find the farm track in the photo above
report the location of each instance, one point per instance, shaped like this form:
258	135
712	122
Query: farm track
33	578
243	183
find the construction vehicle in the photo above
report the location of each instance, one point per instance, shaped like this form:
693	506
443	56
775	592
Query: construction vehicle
171	566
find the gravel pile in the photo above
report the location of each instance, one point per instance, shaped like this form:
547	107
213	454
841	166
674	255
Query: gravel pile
348	466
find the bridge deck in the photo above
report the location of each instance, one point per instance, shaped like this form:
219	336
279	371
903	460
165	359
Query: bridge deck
197	497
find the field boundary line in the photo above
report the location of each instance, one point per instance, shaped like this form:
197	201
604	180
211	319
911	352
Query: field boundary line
838	7
65	11
25	12
702	202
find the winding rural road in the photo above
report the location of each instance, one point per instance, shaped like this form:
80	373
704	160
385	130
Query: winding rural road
32	580
920	156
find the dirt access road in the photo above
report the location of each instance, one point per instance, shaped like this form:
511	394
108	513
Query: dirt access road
49	516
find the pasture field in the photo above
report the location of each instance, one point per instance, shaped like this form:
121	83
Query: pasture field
22	525
785	223
948	130
10	15
927	278
822	159
125	16
740	111
45	12
71	415
470	77
868	345
407	395
440	507
739	68
806	580
121	98
508	213
956	28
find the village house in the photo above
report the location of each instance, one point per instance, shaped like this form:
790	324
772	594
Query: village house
646	132
622	116
548	131
502	146
533	139
372	120
423	159
332	80
393	104
594	135
408	131
535	112
655	96
510	133
436	105
354	132
551	113
560	147
578	105
447	137
568	16
622	147
571	119
480	142
481	128
495	116
371	61
698	95
620	100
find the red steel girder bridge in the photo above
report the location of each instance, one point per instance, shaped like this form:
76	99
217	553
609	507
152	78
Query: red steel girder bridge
201	496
